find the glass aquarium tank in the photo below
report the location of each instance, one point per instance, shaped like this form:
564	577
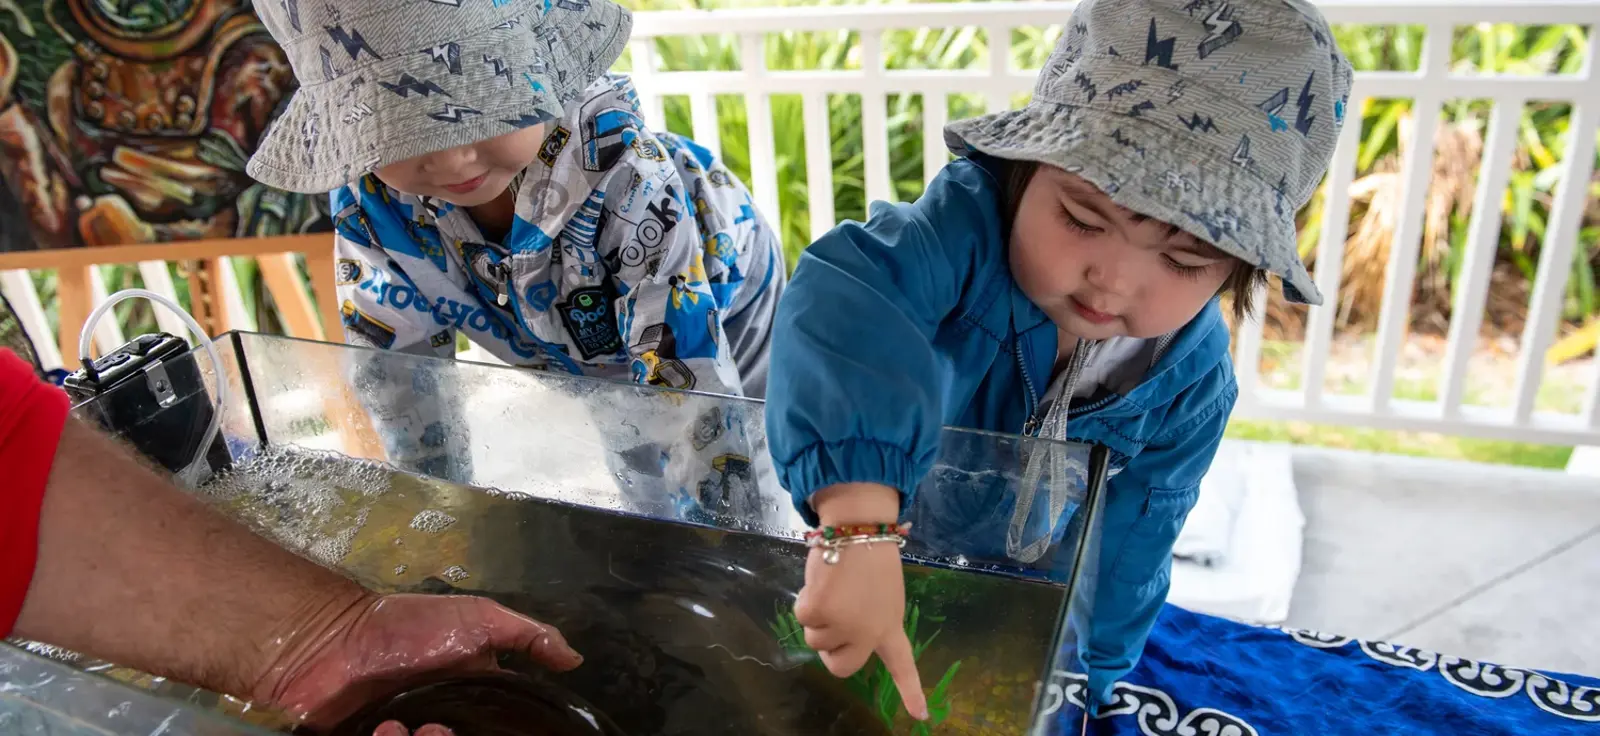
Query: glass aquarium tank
645	523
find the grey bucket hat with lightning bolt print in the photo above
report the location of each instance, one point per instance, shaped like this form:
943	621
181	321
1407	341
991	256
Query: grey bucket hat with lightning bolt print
385	80
1218	116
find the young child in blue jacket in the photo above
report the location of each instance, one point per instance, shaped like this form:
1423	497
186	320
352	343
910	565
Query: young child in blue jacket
1061	278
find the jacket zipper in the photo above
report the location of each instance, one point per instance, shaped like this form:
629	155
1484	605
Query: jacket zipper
1078	411
503	289
1075	367
1030	427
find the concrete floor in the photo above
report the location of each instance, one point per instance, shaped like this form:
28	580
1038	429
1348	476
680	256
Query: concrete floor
1489	563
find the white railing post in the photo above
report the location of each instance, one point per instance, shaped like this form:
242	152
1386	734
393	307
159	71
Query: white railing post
1555	253
233	298
1247	354
707	130
107	332
1483	244
819	163
1591	402
874	119
935	115
1561	237
644	70
997	98
1416	174
1330	256
159	280
18	289
758	115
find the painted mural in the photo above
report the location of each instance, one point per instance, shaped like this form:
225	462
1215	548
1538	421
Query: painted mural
130	121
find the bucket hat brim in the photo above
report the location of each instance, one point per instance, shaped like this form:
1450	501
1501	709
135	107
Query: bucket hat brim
489	82
1157	173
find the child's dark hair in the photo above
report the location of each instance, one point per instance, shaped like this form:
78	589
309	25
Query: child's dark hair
1241	284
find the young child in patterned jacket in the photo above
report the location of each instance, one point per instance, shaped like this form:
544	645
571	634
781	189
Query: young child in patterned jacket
490	179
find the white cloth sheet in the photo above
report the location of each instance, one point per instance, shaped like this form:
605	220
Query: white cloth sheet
1251	529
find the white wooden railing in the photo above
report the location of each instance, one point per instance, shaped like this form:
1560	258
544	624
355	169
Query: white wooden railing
1429	87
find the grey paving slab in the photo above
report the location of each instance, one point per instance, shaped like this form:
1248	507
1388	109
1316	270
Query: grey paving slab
1543	617
1392	543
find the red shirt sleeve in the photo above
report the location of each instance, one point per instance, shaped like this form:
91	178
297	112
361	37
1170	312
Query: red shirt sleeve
32	415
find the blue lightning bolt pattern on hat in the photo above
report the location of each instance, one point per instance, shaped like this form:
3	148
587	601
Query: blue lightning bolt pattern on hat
444	73
1242	99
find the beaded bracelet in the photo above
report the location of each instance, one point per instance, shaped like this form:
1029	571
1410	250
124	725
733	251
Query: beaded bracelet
833	538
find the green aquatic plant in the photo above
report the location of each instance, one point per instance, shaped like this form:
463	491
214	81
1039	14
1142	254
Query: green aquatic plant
872	683
791	635
936	589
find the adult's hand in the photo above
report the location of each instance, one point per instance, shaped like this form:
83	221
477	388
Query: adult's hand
393	728
132	570
347	651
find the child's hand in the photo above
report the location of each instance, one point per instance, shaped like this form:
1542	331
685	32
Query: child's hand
857	606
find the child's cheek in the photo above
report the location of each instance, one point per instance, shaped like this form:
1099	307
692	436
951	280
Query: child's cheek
1034	274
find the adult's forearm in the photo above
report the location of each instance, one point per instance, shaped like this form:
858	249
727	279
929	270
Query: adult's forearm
134	570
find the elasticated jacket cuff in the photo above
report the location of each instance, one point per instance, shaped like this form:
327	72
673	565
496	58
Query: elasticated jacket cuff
852	461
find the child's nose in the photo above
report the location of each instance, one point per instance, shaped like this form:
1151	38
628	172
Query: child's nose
1109	275
450	159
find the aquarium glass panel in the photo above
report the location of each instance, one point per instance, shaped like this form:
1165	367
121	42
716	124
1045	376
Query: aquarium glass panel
39	695
648	525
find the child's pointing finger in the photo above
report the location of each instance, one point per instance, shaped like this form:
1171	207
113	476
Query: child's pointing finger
902	666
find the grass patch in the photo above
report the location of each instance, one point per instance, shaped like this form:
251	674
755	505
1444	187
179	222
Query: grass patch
1415	444
1417	379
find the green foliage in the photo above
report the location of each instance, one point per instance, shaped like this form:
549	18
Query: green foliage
1542	135
943	48
872	683
137	316
1498	48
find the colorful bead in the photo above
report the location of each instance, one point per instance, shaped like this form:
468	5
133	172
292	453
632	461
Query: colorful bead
858	530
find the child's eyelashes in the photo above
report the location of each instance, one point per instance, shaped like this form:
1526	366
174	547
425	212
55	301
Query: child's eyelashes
1189	271
1185	270
1079	225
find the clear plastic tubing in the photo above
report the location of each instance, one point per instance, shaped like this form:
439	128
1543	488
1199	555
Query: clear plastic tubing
86	339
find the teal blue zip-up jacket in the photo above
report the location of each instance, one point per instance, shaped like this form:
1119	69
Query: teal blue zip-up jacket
912	321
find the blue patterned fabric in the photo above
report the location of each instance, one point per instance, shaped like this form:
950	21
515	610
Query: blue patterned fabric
1206	676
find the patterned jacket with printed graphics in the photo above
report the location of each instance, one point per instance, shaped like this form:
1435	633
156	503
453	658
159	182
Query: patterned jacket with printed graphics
633	255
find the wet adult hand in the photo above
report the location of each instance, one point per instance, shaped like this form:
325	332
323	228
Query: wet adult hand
856	607
344	651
